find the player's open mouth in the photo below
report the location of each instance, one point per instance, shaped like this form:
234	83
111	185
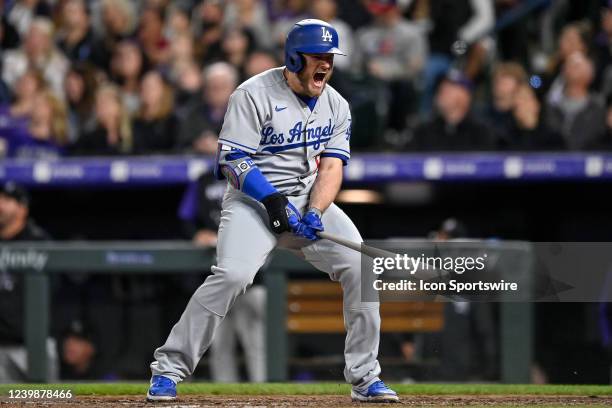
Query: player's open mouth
319	78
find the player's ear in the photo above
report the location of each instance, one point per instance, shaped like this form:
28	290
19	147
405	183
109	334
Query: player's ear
293	60
299	61
302	60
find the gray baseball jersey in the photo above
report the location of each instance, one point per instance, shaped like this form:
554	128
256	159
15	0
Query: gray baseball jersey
284	137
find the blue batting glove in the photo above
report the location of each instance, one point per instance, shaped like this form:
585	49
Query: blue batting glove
304	227
313	219
304	231
296	225
310	224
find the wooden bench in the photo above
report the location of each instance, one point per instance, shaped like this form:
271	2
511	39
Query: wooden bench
315	306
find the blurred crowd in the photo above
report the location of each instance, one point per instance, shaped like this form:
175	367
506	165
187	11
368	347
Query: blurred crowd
111	77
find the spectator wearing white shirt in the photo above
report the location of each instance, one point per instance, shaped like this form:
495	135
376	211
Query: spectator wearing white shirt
37	51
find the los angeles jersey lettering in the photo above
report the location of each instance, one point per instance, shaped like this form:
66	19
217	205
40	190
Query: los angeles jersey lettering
284	137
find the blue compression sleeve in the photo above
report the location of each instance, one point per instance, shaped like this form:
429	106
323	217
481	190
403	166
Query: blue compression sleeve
257	185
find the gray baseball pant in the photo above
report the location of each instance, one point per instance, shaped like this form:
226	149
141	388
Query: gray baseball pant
244	243
246	323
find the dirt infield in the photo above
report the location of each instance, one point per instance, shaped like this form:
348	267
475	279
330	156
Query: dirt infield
205	401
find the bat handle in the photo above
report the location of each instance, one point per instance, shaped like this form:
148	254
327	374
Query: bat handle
339	240
357	246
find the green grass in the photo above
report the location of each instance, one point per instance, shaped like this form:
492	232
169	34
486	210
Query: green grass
318	389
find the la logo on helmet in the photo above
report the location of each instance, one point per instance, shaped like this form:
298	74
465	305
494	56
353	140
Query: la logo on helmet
327	36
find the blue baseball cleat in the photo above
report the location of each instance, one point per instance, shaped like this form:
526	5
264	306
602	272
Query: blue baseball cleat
376	392
161	389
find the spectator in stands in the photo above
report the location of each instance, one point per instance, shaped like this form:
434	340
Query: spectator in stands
23	12
127	67
511	40
118	23
48	127
237	43
285	14
14	116
177	21
188	83
203	124
456	26
9	37
527	130
327	10
603	51
208	24
508	77
80	88
154	129
78	354
393	50
112	134
258	62
37	51
26	88
453	128
17	225
181	49
250	15
151	37
45	132
576	114
575	38
75	37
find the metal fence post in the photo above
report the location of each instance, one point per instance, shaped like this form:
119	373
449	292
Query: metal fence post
516	322
516	338
276	324
37	324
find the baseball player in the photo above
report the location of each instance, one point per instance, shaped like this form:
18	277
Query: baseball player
284	141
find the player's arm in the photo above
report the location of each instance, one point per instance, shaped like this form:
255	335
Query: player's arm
329	178
327	184
334	156
239	138
323	193
243	174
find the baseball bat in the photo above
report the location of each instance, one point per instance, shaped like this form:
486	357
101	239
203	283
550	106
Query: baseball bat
378	253
356	246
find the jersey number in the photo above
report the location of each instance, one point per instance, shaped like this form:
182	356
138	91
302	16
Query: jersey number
326	36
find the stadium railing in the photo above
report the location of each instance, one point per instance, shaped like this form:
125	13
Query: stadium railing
363	168
37	260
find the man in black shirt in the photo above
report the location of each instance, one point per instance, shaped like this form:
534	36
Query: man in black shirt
16	225
453	128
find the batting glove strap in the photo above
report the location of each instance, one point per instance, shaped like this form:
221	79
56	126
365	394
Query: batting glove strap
276	206
293	215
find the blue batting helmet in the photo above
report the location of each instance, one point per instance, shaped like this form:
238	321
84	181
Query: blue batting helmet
309	36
